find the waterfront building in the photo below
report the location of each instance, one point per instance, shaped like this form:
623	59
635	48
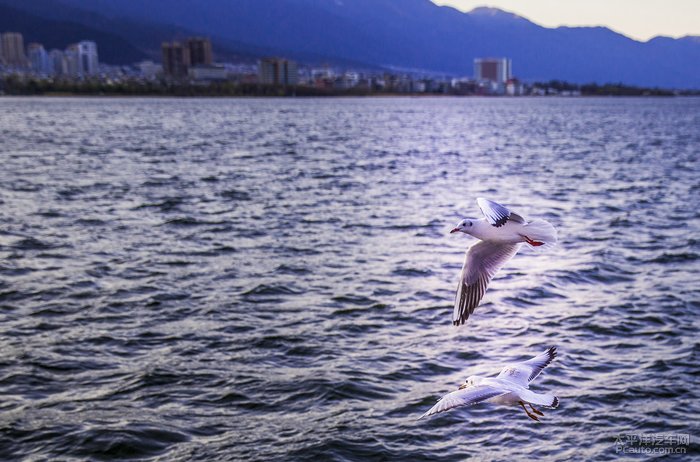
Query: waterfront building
514	87
176	59
200	51
497	70
149	69
89	63
12	50
39	59
278	71
179	57
208	73
58	62
81	59
72	61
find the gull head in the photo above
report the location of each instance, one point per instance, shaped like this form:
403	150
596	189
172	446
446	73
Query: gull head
464	226
471	381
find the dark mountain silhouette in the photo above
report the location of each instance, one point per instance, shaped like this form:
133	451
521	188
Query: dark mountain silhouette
125	40
59	34
407	35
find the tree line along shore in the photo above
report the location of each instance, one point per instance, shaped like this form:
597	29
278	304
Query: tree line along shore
17	86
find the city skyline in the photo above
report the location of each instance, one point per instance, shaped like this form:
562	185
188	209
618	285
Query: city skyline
78	59
417	37
641	21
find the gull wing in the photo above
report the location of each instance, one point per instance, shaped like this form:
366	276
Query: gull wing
514	217
464	397
482	262
525	372
496	214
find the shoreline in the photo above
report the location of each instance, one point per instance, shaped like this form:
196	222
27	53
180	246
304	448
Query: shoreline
328	95
358	96
15	86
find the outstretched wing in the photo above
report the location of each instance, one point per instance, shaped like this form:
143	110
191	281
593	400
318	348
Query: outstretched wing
496	214
464	397
525	372
482	262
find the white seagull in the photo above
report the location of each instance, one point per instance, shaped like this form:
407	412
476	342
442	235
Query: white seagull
510	387
501	233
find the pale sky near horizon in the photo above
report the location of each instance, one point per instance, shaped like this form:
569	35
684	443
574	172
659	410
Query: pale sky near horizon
638	19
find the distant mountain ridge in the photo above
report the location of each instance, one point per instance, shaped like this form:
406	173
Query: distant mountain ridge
402	34
59	34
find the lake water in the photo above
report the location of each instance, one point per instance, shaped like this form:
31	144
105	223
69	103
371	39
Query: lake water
272	279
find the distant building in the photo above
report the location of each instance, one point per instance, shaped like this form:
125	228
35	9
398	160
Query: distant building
278	71
514	87
58	62
497	70
346	81
208	73
89	63
200	51
176	59
72	61
12	49
149	69
39	59
81	59
418	86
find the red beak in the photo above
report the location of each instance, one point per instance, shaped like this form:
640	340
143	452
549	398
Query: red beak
456	230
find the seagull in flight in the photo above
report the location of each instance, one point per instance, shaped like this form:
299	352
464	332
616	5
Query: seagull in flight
501	233
510	387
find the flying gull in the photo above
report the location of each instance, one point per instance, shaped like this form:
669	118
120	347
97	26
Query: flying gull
510	387
501	233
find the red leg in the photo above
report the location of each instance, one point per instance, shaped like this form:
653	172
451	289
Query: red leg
533	243
533	417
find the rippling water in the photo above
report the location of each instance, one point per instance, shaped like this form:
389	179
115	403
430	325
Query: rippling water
273	279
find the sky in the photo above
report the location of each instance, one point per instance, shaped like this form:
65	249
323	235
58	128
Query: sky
638	19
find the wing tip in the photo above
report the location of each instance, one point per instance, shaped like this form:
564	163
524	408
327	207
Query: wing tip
555	403
490	209
551	355
430	412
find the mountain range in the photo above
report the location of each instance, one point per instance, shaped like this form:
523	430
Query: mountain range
402	35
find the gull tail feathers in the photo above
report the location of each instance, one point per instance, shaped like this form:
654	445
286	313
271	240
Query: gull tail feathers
539	399
540	233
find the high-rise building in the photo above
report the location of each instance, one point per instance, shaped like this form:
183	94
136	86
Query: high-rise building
13	49
81	59
497	70
176	59
278	71
89	63
58	62
39	59
200	51
72	60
